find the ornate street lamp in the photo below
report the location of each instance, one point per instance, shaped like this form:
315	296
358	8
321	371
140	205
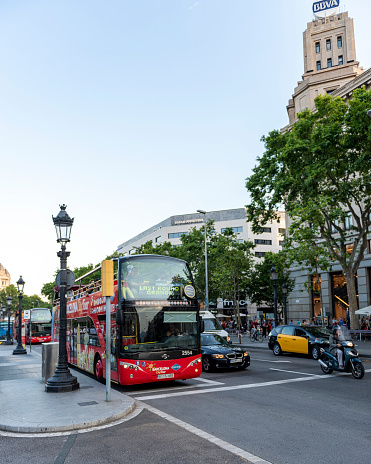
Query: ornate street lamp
19	349
274	278
62	380
206	277
284	292
9	340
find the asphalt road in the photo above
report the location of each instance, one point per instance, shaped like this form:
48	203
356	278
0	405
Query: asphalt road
282	410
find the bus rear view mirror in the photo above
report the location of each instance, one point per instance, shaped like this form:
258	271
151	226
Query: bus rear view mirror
202	325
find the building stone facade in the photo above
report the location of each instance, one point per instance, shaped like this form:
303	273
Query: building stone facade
4	277
329	61
340	80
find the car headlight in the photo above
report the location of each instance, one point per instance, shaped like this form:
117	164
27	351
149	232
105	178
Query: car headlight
246	353
217	356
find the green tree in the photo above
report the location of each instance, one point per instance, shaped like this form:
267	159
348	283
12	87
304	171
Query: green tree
320	170
260	286
233	262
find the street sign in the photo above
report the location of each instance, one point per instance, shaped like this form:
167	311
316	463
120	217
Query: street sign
70	279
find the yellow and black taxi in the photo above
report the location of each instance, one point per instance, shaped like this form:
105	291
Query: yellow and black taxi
217	353
298	339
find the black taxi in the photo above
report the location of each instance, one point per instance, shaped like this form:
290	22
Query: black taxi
299	339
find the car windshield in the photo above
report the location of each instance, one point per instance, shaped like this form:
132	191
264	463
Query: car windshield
158	328
210	339
318	331
212	324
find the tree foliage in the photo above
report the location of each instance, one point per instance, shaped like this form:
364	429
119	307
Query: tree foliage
320	171
28	301
260	286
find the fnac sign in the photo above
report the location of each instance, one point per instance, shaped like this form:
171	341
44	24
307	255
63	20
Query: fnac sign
326	8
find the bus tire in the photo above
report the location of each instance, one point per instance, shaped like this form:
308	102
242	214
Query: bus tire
98	368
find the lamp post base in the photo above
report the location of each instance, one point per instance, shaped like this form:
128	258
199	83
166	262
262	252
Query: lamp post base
20	350
61	382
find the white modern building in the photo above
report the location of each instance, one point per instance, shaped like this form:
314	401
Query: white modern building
172	228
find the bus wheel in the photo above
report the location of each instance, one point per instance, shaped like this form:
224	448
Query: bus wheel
98	369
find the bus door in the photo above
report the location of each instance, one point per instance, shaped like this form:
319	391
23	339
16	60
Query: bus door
114	351
72	330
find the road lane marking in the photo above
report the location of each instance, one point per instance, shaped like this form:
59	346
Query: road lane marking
207	436
269	361
211	382
291	372
241	387
234	387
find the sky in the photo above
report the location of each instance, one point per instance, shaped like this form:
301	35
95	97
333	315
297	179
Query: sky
131	111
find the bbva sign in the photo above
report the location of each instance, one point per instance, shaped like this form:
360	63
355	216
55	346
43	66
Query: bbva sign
326	8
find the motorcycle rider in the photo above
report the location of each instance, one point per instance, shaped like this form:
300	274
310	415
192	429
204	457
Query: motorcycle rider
335	345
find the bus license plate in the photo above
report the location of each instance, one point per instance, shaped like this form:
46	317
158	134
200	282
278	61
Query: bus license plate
234	360
165	376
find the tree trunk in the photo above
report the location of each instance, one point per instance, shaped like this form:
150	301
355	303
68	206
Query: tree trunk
352	300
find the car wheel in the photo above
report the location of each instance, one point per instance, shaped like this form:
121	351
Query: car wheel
277	349
315	352
206	365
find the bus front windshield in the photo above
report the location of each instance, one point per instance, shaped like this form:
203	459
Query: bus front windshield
159	328
155	278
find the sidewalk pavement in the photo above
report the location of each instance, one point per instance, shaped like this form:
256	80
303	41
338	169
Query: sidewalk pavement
25	407
363	347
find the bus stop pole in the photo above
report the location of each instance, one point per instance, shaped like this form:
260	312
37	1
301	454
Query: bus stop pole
30	326
108	348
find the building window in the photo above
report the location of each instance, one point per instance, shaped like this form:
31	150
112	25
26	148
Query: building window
260	254
265	229
341	60
328	44
158	239
348	222
318	66
177	234
318	47
281	243
340	41
235	230
282	231
329	62
262	242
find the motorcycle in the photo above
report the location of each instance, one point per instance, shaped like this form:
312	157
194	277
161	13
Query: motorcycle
329	362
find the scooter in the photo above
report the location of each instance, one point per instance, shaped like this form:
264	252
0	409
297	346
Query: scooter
352	363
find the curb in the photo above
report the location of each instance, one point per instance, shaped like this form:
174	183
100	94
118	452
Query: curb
70	427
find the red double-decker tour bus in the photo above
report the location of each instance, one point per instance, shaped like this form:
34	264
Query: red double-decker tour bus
39	326
155	323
